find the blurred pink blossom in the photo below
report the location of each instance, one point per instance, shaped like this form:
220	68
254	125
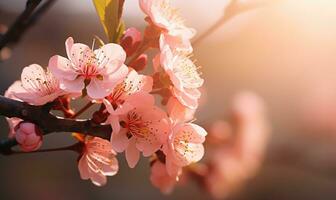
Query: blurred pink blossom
240	155
161	179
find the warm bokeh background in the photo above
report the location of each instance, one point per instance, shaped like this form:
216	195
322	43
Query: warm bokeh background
284	51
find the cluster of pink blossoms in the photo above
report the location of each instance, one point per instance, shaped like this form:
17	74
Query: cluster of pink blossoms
235	151
108	76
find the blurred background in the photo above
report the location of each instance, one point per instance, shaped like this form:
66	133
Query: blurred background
283	50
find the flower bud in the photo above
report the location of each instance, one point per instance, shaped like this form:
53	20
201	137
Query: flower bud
28	136
131	41
139	63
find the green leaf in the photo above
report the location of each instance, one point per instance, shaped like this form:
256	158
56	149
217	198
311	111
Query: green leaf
109	14
120	31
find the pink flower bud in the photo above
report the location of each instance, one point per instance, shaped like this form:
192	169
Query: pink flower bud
28	136
139	63
131	41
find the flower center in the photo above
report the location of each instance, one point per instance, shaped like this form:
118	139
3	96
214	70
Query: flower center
182	142
44	84
136	126
187	71
89	70
169	13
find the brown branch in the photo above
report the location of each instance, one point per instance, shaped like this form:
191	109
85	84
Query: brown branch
47	122
82	110
27	19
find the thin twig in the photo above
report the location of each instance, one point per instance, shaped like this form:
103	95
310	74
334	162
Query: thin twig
233	9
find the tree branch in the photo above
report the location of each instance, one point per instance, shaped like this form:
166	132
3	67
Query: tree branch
47	122
233	9
27	18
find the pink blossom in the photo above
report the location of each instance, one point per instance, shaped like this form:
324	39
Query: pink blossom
134	83
12	122
220	133
143	128
97	71
28	136
38	86
253	130
184	147
133	91
174	33
97	161
161	179
184	77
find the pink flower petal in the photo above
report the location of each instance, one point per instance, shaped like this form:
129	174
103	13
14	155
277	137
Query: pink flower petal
132	153
61	68
177	42
75	86
98	179
96	89
172	169
83	168
68	45
120	141
185	99
15	87
80	53
111	80
178	112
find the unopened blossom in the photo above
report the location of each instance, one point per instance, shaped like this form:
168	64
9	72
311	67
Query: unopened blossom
97	161
140	63
183	75
184	147
142	129
98	71
131	40
28	136
161	179
166	18
14	121
38	86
